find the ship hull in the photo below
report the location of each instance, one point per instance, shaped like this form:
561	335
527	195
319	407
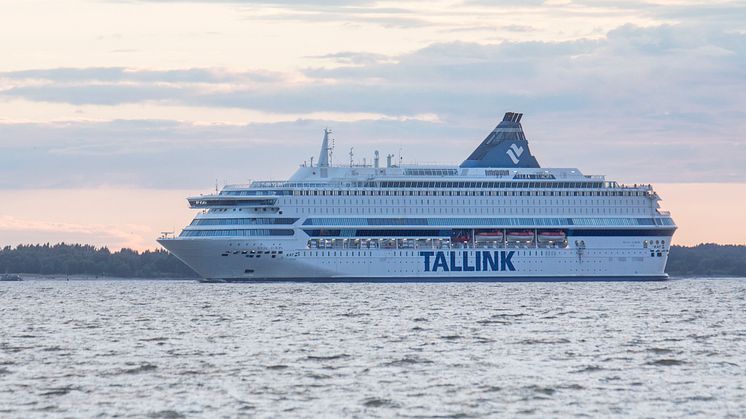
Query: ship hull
603	259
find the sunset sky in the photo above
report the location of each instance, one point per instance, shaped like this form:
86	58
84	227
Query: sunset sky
112	111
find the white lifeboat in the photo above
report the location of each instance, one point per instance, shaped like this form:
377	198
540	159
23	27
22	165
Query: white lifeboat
489	235
520	236
552	236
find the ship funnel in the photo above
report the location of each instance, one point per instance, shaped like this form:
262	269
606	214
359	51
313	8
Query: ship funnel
505	146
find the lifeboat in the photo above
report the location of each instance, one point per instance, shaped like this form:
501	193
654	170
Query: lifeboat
489	235
552	236
520	236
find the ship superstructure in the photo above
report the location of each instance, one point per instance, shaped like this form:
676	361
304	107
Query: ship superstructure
497	216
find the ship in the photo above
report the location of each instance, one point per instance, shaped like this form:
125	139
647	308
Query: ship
498	216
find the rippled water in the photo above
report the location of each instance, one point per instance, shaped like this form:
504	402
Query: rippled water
172	349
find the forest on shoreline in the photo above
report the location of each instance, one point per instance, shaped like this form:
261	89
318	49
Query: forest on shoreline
84	259
79	259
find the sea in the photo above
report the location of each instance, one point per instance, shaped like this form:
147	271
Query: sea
172	349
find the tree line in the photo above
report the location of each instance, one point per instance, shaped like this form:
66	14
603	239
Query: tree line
82	259
79	259
707	259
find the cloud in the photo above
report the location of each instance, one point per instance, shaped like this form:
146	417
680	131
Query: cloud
170	154
353	58
123	74
95	94
637	103
518	28
317	3
657	69
15	230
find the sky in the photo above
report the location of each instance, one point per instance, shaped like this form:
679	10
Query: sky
112	111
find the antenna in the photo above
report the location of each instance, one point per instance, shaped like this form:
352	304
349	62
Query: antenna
376	159
351	156
331	152
216	186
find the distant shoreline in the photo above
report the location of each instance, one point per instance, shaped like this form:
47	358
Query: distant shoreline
86	262
59	277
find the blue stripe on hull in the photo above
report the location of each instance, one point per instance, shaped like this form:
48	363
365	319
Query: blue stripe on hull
446	279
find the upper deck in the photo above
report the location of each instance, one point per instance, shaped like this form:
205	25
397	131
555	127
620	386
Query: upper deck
432	177
502	161
500	177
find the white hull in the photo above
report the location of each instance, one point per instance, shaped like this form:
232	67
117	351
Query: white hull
609	258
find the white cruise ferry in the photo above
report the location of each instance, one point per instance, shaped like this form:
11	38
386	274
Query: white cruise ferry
498	216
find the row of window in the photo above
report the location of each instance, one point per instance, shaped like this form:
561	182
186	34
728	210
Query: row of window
438	184
662	232
241	221
375	208
463	193
532	222
426	243
448	233
307	189
236	233
431	172
463	203
211	202
257	192
404	232
488	184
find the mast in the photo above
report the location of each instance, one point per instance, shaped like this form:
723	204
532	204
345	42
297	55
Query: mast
324	154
